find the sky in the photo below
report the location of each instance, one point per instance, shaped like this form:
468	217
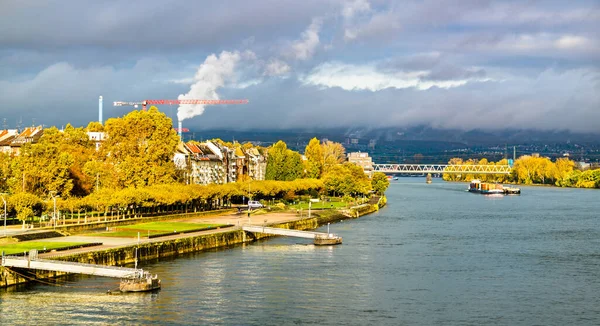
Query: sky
306	64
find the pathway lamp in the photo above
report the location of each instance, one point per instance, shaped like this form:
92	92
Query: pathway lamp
54	196
5	212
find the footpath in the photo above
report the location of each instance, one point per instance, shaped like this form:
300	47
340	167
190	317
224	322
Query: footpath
236	220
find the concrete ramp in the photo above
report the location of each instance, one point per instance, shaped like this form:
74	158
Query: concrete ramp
318	237
70	267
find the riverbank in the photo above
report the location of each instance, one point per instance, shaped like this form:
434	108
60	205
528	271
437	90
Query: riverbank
119	254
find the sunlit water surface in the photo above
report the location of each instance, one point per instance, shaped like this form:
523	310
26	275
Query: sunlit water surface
435	255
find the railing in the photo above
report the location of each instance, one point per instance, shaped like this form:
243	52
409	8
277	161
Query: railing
442	168
70	267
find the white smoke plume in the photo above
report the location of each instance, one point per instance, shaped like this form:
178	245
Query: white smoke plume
214	73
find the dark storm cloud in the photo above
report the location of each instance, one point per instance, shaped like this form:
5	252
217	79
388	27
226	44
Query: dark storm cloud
148	24
456	64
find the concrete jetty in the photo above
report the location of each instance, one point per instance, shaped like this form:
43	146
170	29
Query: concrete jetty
133	279
319	238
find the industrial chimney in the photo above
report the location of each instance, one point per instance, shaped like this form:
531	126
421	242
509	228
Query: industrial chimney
180	129
100	109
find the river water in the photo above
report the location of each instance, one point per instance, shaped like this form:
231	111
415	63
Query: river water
435	255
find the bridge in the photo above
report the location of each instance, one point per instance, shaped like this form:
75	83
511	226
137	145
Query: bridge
318	237
442	168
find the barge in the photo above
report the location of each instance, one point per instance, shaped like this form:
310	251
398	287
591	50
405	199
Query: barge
484	188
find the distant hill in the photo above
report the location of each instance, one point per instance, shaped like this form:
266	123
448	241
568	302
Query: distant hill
425	144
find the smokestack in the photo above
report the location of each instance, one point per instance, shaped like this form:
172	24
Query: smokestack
100	109
180	129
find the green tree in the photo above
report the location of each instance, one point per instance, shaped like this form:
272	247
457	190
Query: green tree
25	205
380	182
276	161
283	164
314	159
347	179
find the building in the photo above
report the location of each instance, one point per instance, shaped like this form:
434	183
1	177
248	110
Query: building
363	160
204	163
256	163
27	136
212	162
97	137
6	138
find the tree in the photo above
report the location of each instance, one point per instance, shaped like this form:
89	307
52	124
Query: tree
453	176
347	179
5	162
275	161
25	205
139	148
283	164
314	158
380	182
43	167
293	166
333	154
94	126
563	168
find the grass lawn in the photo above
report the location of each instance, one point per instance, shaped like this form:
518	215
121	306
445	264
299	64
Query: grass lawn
20	247
154	228
168	226
321	204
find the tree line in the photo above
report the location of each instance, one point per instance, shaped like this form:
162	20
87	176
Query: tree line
533	170
134	169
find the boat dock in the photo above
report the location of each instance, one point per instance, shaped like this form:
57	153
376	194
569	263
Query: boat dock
132	276
319	238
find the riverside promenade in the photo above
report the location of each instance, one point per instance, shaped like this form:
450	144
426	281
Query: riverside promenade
235	220
120	251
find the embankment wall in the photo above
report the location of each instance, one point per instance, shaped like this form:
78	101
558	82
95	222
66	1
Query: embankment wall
174	247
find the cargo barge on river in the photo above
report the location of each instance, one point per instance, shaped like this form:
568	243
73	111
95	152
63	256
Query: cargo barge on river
485	188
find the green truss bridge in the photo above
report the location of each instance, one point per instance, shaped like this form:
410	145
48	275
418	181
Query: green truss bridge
441	168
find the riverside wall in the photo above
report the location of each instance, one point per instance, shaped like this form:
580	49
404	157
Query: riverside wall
174	247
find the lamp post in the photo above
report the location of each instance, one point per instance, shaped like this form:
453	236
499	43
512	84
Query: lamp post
5	213
54	196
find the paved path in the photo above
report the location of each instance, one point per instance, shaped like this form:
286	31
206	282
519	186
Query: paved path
236	220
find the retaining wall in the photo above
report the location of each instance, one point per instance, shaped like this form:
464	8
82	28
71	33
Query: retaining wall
174	247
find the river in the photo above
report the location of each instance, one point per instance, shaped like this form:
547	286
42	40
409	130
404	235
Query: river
435	255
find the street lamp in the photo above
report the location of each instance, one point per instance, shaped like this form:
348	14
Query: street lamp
54	196
5	213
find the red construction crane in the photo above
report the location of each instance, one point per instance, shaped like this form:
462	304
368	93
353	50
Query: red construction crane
178	102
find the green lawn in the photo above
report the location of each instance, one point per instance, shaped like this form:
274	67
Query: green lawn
321	204
154	228
168	226
20	247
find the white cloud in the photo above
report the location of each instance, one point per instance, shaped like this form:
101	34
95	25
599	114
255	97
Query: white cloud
379	25
305	48
367	77
536	43
214	73
276	67
572	42
352	8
